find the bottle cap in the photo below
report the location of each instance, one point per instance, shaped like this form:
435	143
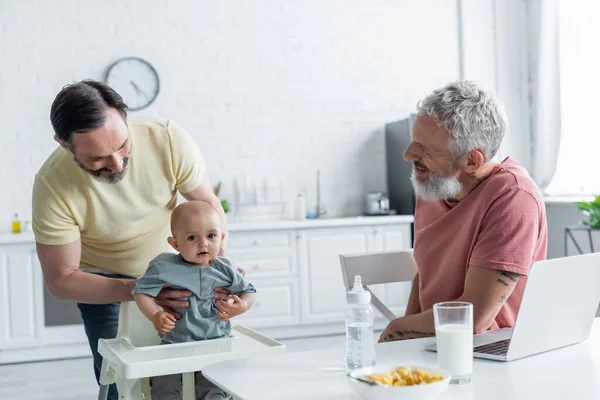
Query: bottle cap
358	295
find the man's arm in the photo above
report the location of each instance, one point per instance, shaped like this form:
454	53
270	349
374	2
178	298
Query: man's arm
487	289
205	192
65	281
414	305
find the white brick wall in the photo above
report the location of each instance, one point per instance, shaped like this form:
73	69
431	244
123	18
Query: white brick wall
268	88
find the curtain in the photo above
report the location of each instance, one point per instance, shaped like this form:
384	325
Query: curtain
545	88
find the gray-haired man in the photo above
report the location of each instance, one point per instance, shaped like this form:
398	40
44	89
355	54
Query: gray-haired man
479	224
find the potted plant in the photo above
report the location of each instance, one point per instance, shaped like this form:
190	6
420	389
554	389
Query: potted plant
592	210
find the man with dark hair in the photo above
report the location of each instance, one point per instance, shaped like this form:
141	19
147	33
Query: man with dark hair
103	199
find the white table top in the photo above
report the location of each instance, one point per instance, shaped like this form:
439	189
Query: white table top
571	373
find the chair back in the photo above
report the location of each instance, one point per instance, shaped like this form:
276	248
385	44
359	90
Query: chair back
378	268
134	326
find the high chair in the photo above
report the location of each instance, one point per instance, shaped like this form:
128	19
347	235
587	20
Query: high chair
136	354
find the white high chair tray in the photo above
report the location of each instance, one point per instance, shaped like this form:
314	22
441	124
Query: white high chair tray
131	362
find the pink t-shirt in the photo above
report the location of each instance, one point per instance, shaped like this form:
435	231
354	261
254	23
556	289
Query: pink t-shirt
500	225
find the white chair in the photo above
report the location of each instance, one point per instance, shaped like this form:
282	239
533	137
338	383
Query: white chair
379	268
136	354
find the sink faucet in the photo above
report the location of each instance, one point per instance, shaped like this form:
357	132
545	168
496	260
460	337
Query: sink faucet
319	211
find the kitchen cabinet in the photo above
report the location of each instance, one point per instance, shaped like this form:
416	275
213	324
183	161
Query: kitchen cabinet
294	266
276	304
323	291
21	297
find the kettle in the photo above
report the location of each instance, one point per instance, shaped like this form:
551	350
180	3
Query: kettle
377	203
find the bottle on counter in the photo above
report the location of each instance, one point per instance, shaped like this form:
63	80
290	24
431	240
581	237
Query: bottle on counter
16	224
300	208
27	226
360	345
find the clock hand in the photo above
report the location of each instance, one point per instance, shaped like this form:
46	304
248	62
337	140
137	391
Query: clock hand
137	89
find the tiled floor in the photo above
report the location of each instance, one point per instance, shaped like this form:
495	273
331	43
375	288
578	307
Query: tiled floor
74	379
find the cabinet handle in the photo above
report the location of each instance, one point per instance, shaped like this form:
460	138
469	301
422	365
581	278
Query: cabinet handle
255	243
376	231
255	267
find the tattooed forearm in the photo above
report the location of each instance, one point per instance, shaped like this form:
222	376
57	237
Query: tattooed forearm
502	282
511	276
402	335
502	298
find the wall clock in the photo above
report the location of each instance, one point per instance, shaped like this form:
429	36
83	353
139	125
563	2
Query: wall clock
135	80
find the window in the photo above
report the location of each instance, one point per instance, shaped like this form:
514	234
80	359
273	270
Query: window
578	165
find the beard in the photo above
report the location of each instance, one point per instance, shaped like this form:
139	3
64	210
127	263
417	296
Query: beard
437	187
104	174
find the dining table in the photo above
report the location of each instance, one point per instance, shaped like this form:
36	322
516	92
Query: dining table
570	373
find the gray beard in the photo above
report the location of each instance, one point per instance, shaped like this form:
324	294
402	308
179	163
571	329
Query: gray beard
113	177
437	187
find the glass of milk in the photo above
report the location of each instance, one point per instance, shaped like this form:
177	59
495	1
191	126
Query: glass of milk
454	337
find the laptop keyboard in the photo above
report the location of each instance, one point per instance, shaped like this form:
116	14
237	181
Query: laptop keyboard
497	348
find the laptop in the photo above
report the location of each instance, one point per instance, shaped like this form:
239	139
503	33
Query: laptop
557	309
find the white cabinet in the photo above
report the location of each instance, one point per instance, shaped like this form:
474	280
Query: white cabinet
323	291
294	266
276	304
392	238
21	297
269	259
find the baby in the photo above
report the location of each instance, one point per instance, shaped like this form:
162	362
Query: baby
197	235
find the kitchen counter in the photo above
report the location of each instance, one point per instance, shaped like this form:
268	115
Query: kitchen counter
16	238
27	237
320	223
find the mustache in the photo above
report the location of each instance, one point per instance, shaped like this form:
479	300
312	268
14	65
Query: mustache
105	174
98	172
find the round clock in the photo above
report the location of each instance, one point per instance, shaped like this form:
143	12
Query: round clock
135	80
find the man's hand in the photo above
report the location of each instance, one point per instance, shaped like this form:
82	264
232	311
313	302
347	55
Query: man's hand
163	322
169	299
220	293
391	333
230	310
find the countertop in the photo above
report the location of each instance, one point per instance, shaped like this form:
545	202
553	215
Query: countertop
320	223
28	238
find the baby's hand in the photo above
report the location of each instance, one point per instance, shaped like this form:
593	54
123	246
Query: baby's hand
163	322
230	310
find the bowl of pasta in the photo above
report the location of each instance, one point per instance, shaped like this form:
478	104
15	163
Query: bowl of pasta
393	381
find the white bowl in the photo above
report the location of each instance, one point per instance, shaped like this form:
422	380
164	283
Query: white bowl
415	392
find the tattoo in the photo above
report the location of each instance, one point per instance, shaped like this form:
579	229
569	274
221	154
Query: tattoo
412	334
511	276
502	282
502	298
418	333
403	335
